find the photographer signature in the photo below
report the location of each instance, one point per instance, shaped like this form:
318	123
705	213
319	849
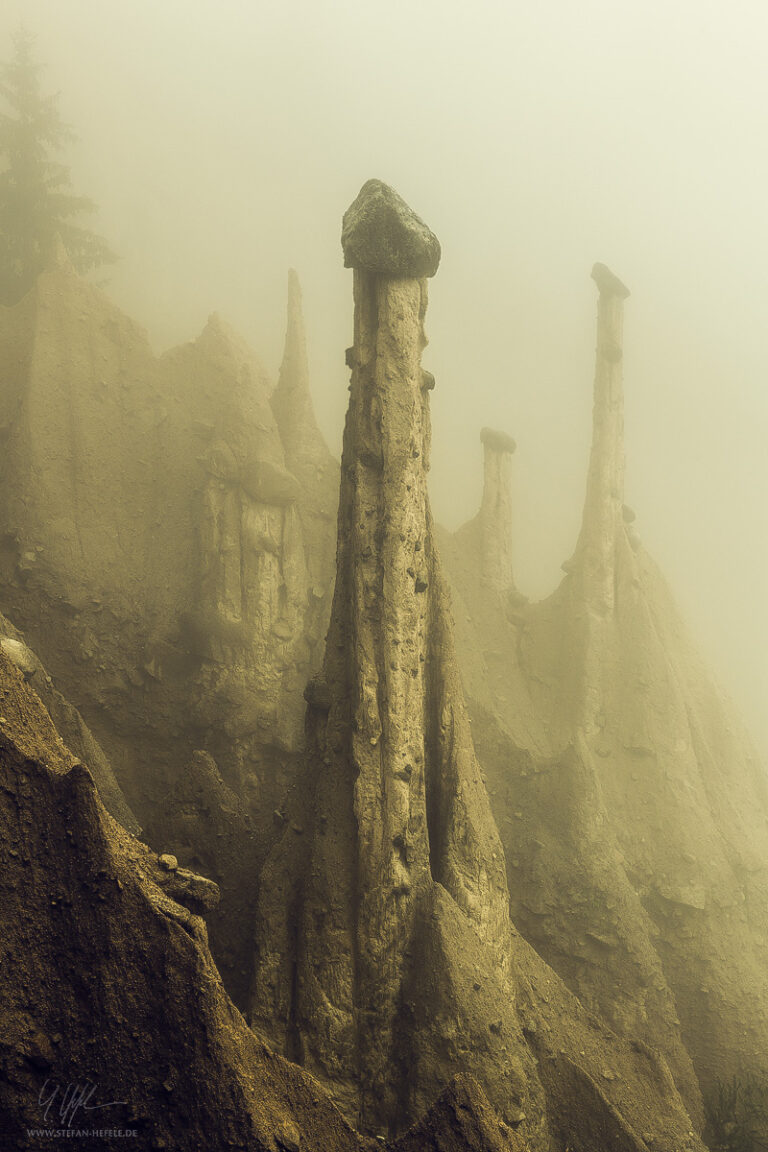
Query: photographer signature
71	1100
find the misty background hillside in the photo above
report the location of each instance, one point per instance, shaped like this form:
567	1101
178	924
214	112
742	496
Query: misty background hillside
219	141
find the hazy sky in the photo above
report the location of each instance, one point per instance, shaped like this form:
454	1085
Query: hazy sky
223	141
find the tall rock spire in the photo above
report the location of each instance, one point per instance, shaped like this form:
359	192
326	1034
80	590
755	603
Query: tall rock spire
309	460
404	853
602	522
305	448
496	510
386	960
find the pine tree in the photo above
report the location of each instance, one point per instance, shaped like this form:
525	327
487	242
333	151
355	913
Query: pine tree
37	204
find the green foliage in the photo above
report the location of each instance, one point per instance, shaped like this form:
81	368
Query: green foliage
37	204
737	1116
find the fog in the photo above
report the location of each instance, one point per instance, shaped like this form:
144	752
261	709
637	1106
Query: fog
223	141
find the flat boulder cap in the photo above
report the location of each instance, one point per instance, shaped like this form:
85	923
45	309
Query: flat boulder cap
381	234
499	441
607	283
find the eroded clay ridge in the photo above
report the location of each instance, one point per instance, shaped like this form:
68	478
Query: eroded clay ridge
106	979
386	960
630	800
166	546
164	534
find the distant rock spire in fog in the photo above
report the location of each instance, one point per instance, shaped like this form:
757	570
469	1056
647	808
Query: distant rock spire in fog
496	509
292	400
595	558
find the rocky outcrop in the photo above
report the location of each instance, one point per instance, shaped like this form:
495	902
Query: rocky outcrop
631	804
107	983
69	724
251	588
460	1119
386	961
170	569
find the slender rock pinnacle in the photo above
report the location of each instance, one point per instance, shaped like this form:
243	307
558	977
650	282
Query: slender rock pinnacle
603	521
496	510
292	399
404	861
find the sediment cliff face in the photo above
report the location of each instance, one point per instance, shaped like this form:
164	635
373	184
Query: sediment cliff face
69	724
630	801
386	960
154	544
106	980
249	628
165	563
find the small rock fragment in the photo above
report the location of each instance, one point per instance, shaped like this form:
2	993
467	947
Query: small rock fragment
288	1137
20	655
